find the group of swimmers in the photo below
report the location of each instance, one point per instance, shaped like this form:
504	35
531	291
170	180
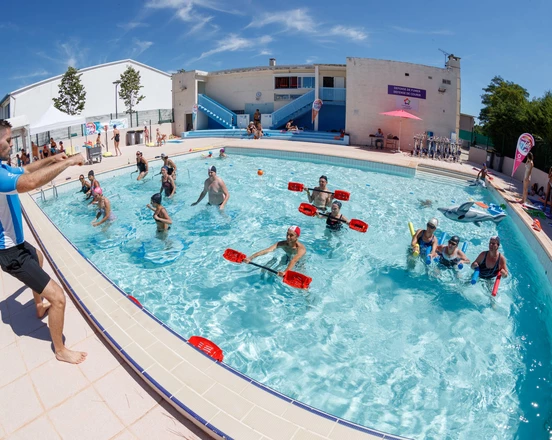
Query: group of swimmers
490	263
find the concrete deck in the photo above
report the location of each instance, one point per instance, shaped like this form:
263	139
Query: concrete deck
104	398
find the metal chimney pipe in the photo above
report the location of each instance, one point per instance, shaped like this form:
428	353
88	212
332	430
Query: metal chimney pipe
272	62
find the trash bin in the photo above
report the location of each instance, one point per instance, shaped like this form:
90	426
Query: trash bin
490	158
500	159
130	137
139	137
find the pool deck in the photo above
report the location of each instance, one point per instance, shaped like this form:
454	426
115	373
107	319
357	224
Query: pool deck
110	395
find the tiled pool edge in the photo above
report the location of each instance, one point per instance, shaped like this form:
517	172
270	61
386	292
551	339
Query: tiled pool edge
162	391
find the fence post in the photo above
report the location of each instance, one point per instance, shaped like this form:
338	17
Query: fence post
172	115
159	116
136	119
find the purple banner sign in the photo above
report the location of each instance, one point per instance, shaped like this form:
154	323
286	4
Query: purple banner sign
406	91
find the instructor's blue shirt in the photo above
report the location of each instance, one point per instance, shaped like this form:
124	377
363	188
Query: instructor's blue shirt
11	223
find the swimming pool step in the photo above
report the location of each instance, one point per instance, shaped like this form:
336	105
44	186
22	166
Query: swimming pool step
453	174
438	177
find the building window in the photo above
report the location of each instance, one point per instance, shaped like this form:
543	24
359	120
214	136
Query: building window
327	81
407	74
293	82
446	81
308	82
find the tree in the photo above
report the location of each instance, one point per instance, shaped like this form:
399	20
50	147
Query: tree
505	113
129	89
72	96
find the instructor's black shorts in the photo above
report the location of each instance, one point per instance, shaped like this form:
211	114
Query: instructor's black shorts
21	262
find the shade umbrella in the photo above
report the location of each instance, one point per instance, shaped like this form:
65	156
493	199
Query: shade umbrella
403	115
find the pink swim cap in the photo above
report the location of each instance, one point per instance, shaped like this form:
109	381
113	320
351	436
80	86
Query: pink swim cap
98	191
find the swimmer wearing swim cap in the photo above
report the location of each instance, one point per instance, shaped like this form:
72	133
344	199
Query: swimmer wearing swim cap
291	246
322	200
160	214
104	208
216	188
424	239
222	153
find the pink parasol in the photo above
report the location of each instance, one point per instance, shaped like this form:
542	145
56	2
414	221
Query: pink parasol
403	115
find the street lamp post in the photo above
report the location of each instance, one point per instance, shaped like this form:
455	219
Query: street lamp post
116	85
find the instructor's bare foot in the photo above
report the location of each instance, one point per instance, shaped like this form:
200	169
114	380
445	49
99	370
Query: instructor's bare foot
70	356
42	308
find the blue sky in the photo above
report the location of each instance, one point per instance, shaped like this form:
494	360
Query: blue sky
507	38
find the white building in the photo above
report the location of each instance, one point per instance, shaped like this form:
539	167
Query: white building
353	94
34	100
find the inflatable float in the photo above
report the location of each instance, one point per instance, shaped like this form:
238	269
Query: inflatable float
465	213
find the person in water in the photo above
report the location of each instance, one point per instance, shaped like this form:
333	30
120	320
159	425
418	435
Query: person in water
222	153
94	183
481	175
322	200
85	186
425	240
160	214
104	208
170	165
142	165
491	262
450	254
291	246
168	185
335	220
215	186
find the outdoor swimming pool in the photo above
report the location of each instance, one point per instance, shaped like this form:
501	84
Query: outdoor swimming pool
420	354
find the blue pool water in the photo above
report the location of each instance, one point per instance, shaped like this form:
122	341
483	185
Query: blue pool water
414	351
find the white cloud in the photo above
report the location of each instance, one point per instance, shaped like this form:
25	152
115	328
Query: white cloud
353	33
140	47
233	43
68	54
301	20
294	20
36	73
132	25
422	32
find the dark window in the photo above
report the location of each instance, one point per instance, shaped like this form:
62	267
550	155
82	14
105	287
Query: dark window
328	81
407	74
293	82
446	81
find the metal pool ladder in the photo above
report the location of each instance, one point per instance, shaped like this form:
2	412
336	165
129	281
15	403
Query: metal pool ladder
54	191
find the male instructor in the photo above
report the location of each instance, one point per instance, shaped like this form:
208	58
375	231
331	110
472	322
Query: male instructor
19	258
215	186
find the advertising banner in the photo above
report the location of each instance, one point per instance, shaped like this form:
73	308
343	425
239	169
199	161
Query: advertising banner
406	91
316	106
92	128
524	145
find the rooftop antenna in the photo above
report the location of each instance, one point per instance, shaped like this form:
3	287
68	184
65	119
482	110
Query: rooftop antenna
446	55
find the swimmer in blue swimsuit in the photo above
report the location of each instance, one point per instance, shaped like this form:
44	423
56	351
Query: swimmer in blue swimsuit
425	239
450	254
160	214
491	263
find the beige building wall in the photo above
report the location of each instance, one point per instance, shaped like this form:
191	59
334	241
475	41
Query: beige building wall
234	90
367	96
184	92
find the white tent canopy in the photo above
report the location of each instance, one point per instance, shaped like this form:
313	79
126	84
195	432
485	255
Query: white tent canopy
54	119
